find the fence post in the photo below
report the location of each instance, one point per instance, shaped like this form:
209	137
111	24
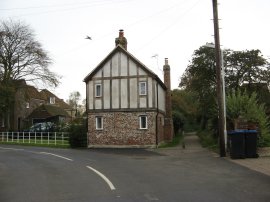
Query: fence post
62	138
7	136
18	137
48	137
23	137
54	138
35	138
12	136
29	136
41	138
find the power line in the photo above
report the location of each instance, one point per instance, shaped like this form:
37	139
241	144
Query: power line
56	5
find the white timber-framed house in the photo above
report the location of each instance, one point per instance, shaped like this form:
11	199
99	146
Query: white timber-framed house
127	104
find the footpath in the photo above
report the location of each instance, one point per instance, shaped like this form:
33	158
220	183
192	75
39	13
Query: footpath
192	146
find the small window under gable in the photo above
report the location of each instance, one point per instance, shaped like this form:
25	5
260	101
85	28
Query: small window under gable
99	123
143	88
27	105
98	90
143	122
52	100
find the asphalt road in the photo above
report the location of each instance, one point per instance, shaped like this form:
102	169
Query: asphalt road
29	174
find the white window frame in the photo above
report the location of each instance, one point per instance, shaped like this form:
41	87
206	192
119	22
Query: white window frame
27	105
99	126
100	90
141	122
52	100
142	88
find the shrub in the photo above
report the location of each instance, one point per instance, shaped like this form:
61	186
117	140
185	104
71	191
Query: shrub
78	134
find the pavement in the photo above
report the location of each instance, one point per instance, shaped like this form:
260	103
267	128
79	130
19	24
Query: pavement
193	146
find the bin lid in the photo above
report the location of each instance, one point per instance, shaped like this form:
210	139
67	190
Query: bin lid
235	132
251	132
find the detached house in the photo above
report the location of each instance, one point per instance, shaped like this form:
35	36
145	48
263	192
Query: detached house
127	104
33	106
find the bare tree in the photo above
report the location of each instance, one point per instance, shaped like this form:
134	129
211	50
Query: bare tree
22	57
73	101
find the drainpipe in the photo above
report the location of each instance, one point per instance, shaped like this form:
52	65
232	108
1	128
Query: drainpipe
157	118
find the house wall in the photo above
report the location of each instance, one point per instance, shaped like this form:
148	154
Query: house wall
122	129
120	79
21	112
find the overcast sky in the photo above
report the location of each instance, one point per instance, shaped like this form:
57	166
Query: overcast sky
167	28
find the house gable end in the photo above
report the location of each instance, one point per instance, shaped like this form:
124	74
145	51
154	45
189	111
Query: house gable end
113	57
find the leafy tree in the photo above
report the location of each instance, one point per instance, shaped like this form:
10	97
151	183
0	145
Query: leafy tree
241	68
185	109
246	67
241	104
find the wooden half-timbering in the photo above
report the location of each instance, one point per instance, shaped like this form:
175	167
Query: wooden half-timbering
126	103
119	81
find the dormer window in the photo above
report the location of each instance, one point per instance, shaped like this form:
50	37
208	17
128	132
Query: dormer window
52	100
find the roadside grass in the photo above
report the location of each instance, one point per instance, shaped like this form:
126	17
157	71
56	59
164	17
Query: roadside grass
207	140
177	140
39	143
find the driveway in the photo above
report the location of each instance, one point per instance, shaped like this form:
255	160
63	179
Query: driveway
29	174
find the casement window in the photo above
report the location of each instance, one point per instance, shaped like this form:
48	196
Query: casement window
99	123
52	100
143	122
142	88
98	90
27	105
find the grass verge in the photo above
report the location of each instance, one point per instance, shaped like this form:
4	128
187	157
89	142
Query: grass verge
177	140
38	144
207	140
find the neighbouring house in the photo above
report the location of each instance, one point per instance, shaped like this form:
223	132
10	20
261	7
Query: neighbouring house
127	104
27	101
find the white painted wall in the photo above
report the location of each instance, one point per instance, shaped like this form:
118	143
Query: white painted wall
124	91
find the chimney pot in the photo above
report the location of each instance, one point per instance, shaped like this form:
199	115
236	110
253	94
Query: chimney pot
166	61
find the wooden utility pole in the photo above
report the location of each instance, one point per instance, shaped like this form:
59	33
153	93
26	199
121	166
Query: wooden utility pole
219	82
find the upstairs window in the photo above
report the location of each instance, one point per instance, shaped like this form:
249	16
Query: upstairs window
52	100
99	123
98	90
143	122
142	88
27	105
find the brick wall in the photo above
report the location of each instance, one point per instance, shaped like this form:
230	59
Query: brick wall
122	129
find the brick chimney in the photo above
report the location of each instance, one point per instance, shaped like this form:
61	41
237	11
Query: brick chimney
121	40
168	122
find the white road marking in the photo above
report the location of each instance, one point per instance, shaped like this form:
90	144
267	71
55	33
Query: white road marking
56	155
103	177
13	149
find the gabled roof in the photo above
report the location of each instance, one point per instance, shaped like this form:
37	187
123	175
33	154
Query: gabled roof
47	94
45	111
134	59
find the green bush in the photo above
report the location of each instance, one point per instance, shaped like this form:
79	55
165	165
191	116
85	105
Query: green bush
78	134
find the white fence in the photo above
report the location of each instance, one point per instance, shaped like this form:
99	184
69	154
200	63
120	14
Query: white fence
46	138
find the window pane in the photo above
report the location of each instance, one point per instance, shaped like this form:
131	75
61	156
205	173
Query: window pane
142	88
143	122
98	90
99	123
